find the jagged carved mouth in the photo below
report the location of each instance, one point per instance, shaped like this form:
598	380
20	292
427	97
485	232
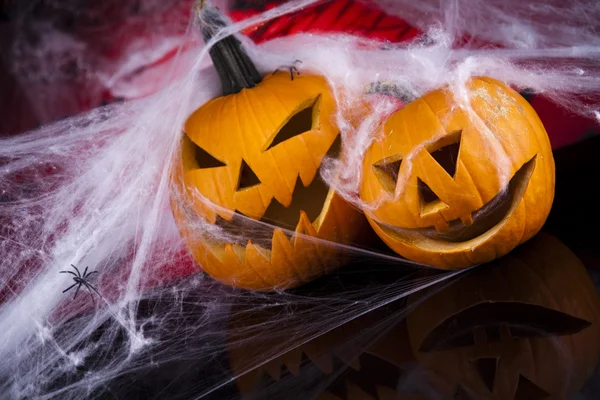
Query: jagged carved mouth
520	320
311	199
486	220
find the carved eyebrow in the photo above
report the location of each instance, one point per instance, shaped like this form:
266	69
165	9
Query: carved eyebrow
195	157
207	160
523	321
302	121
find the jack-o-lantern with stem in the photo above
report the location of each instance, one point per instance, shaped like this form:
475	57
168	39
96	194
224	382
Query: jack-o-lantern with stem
249	166
459	178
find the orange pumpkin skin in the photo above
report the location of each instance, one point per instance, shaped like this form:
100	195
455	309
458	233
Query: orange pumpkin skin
548	347
241	131
498	195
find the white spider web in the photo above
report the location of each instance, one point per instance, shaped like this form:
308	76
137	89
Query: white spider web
93	190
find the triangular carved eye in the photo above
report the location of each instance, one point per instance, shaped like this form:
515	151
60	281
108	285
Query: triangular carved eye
527	390
426	193
445	151
247	177
299	123
387	171
205	160
430	202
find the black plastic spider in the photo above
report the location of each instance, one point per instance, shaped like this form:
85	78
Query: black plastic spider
81	280
292	68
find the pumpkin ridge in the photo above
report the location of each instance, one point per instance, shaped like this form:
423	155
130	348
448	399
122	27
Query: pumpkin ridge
257	101
506	153
220	189
258	126
408	139
474	186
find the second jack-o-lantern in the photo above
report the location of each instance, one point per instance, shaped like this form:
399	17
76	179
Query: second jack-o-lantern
249	161
526	326
453	186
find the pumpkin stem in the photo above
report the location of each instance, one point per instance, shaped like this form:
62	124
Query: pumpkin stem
392	89
236	70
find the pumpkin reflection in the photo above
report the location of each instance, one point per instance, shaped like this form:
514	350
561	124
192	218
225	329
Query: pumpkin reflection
522	327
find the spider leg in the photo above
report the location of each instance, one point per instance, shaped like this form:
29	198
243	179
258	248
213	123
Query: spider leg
70	287
90	274
68	272
92	296
77	291
85	272
90	286
78	273
279	69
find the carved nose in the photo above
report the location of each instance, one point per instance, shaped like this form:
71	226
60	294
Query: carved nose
247	177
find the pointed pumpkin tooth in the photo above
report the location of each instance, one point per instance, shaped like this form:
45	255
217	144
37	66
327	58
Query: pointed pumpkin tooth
259	260
283	257
305	227
331	226
467	220
505	334
292	360
441	225
320	356
350	358
239	272
273	368
206	259
248	382
307	260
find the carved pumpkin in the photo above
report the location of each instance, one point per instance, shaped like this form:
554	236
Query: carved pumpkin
255	154
452	189
524	327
